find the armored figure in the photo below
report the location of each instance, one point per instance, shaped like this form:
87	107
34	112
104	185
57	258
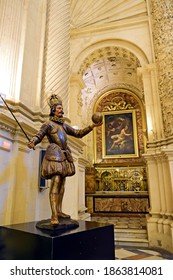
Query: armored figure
58	162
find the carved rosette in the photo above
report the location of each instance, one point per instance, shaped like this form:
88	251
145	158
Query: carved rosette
162	23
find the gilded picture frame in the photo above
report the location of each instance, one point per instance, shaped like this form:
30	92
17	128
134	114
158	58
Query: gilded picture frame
119	134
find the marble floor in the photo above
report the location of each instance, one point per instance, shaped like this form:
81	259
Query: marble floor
136	252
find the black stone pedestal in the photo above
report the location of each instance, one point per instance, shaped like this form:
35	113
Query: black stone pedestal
89	241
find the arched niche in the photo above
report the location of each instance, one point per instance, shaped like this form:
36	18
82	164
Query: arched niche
116	104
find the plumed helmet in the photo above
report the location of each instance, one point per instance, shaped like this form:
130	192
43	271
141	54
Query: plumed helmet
54	99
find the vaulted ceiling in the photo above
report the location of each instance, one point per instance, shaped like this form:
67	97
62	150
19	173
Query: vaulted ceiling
109	65
90	13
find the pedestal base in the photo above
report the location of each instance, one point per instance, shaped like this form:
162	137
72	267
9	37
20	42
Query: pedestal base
89	241
64	224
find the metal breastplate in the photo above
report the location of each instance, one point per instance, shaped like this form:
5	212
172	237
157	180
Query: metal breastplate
57	135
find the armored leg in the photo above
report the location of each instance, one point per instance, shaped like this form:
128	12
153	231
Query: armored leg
56	197
53	197
60	199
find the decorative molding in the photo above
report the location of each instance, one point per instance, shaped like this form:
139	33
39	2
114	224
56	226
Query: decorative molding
117	104
166	142
9	125
19	108
83	162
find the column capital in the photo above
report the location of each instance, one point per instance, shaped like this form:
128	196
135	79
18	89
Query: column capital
77	79
146	69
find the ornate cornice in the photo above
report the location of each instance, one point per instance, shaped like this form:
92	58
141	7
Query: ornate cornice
20	108
161	143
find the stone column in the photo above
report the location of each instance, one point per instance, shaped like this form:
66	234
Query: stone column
159	220
56	67
162	24
161	181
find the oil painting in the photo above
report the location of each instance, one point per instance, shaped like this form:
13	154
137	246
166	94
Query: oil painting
120	134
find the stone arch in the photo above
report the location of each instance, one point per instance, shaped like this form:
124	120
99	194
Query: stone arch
138	52
123	87
119	43
121	99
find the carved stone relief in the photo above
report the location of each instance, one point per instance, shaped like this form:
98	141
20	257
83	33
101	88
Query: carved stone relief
121	205
162	22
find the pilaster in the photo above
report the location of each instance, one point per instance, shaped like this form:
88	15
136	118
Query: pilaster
159	220
152	101
153	184
75	99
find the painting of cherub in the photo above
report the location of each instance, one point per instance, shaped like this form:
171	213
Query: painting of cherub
120	134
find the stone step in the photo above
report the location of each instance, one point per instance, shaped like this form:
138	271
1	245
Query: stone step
131	233
131	237
131	242
128	231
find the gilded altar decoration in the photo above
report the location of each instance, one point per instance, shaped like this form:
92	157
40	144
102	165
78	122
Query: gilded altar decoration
117	189
118	179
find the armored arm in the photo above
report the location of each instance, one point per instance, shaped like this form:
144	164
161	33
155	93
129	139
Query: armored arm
39	136
78	133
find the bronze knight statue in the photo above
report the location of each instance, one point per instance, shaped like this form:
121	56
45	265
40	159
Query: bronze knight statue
58	162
